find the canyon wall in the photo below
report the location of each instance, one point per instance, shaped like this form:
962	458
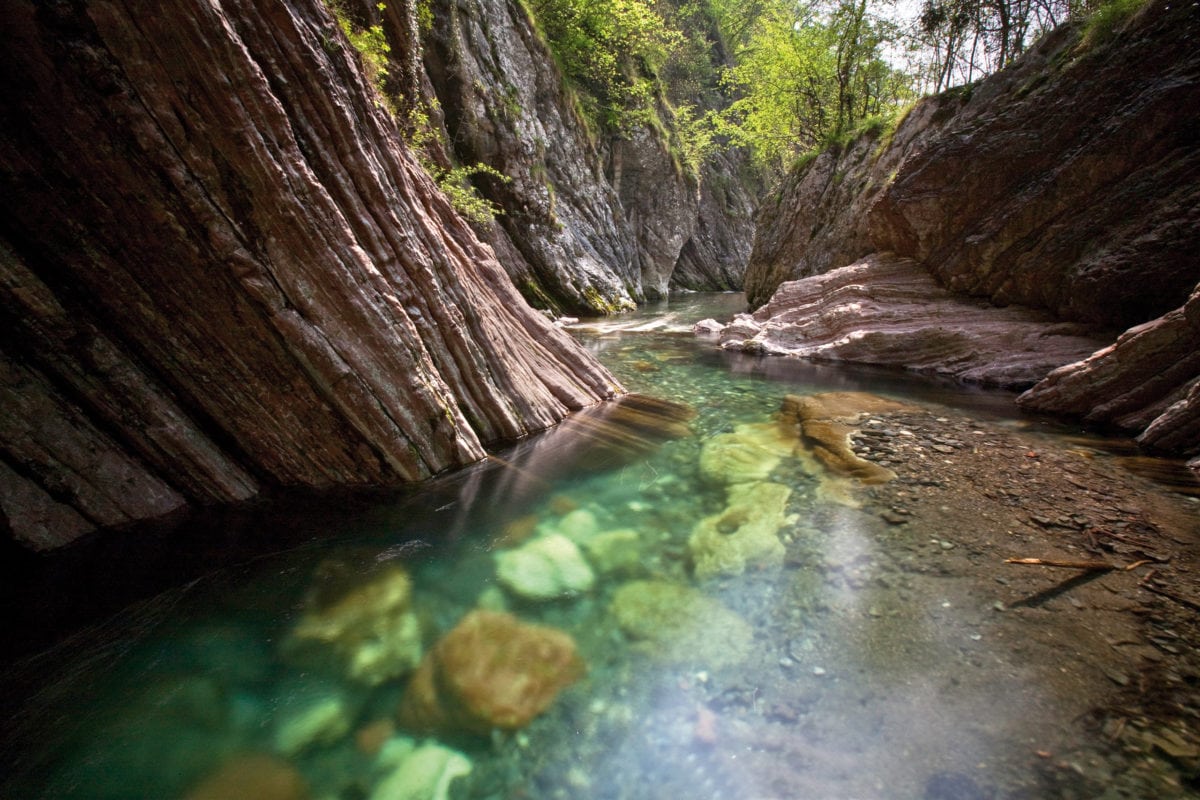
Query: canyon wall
222	271
593	221
1067	183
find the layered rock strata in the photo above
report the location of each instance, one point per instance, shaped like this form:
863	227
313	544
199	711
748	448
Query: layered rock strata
1069	183
221	270
591	223
890	311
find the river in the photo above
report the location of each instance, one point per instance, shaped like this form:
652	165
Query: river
871	644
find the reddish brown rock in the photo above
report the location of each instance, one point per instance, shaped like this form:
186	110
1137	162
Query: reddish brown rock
1147	382
252	777
221	268
490	671
888	310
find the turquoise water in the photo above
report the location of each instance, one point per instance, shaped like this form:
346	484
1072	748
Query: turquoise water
825	668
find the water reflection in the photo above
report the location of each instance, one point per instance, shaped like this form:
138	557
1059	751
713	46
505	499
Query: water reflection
661	597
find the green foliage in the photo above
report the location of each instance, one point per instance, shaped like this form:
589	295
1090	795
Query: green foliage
808	75
466	199
1104	23
610	52
455	182
371	44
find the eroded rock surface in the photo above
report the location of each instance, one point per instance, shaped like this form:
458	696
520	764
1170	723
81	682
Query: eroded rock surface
221	270
490	671
1068	183
889	310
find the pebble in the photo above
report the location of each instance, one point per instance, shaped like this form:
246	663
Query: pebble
786	663
946	545
818	671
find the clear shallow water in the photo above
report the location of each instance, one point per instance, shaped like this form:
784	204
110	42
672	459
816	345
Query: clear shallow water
844	672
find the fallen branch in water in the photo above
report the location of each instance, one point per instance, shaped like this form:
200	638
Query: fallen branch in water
1091	566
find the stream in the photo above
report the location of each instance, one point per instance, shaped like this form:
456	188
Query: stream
864	642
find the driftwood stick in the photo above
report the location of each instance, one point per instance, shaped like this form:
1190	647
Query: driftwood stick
1091	566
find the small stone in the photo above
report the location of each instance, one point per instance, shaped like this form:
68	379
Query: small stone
545	568
786	663
818	671
999	606
946	545
892	518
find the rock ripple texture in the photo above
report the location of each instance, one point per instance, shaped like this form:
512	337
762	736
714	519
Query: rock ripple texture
221	270
889	310
1069	183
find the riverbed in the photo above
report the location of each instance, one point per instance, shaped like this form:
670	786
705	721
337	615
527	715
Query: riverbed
879	640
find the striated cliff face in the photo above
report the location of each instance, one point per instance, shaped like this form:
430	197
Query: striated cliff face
589	225
220	271
1068	183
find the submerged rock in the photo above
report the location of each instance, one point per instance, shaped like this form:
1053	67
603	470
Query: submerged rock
680	624
423	774
826	421
490	671
311	712
254	776
749	454
743	536
614	551
369	633
545	568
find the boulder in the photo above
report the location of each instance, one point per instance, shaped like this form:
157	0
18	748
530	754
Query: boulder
744	535
545	568
680	624
252	776
309	713
748	454
423	774
490	671
826	421
368	633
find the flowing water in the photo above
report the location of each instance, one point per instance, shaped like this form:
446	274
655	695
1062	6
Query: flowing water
832	665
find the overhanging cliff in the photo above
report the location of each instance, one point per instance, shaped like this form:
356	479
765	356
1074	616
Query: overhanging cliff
222	271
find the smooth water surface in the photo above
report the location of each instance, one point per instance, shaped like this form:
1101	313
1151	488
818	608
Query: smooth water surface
839	671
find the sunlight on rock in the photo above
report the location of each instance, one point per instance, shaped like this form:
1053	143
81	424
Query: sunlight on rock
545	568
490	671
744	535
423	774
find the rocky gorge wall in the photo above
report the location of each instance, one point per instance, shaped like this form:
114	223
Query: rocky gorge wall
222	271
1069	183
592	222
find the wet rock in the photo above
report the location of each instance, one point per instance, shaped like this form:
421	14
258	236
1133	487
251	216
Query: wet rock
545	568
368	632
423	774
490	671
614	551
708	326
253	776
744	535
750	453
826	421
311	712
680	624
